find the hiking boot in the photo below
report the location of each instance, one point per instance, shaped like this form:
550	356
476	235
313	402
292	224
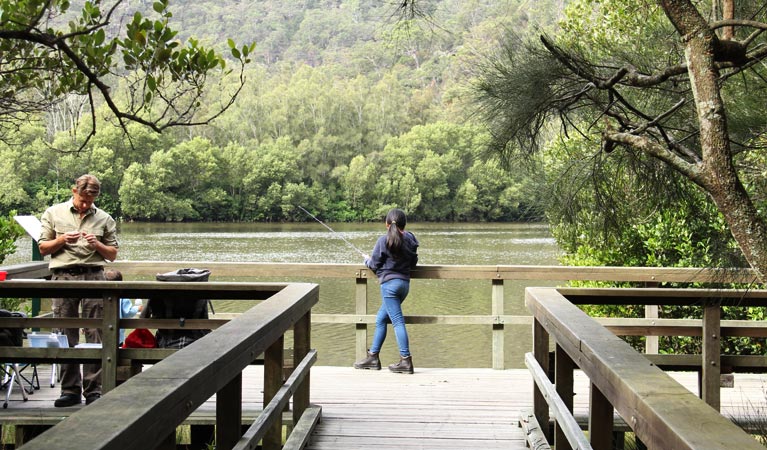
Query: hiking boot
405	365
90	398
371	362
67	400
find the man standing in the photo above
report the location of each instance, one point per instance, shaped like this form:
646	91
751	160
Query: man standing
80	239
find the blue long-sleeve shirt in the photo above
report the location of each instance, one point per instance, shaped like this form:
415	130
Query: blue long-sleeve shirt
386	267
126	310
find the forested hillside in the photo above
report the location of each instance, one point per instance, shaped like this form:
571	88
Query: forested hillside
348	110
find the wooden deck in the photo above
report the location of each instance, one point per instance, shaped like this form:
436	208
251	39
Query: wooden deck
434	408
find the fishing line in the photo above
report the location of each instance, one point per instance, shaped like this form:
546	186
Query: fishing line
332	231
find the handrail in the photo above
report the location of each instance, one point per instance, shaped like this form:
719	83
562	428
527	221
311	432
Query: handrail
563	417
144	411
363	320
461	272
662	413
427	271
111	292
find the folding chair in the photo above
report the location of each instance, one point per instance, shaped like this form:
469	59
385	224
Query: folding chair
11	373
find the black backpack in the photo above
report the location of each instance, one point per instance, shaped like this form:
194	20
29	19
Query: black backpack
163	308
11	337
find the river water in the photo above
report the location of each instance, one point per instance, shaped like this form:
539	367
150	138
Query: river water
441	243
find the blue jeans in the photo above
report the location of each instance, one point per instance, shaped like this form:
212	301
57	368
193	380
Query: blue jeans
393	293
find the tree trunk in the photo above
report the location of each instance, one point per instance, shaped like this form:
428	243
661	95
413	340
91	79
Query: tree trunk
719	177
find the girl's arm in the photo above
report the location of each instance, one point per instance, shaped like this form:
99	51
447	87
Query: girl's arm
377	257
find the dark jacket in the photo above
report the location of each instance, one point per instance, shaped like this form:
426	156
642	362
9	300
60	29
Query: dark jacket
386	267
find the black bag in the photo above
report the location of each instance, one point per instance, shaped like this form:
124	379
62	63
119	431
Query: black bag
162	308
11	337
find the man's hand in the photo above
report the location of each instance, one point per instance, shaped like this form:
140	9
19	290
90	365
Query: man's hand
91	239
71	237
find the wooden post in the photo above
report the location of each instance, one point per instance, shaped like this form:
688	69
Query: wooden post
600	420
273	379
229	414
109	342
651	312
563	380
301	347
498	328
361	308
651	342
711	370
36	256
541	353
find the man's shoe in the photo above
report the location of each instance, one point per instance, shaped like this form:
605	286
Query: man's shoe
90	398
67	400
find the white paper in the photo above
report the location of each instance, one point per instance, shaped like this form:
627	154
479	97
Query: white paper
31	225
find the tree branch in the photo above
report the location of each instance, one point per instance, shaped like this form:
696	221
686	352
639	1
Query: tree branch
646	145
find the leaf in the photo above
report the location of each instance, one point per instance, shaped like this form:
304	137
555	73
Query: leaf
158	7
99	37
140	38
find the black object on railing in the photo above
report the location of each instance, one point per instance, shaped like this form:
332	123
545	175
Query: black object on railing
163	308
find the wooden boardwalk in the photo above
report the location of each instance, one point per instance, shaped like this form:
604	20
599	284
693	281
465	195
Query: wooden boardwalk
434	408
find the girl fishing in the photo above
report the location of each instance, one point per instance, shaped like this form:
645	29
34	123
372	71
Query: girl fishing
394	255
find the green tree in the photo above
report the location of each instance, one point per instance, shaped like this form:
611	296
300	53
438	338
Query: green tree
613	75
357	181
140	195
177	184
439	155
234	163
277	166
10	232
465	201
43	61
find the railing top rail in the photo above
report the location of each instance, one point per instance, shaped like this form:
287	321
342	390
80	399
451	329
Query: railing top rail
494	272
140	289
662	413
134	417
665	296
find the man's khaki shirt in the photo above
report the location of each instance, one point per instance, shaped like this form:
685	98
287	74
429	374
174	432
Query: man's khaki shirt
63	217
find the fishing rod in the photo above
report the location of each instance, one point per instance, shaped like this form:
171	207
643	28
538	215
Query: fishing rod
333	231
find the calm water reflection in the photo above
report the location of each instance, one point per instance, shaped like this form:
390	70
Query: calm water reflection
435	346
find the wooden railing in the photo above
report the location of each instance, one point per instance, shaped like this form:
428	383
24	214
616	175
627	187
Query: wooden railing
144	411
661	413
562	325
497	275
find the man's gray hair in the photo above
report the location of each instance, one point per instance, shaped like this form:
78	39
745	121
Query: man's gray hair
88	184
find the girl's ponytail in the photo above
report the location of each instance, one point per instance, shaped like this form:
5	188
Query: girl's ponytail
396	219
